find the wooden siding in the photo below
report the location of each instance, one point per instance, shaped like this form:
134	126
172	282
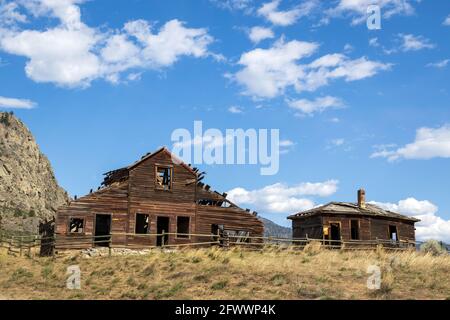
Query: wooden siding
147	199
138	194
311	227
370	228
111	200
233	219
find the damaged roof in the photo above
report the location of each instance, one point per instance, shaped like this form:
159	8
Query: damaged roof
352	209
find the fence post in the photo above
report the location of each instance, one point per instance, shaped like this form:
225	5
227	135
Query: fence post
163	238
218	237
53	246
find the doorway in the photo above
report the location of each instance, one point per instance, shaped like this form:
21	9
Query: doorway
162	225
335	234
102	230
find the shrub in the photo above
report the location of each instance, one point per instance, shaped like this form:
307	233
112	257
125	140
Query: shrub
20	275
313	248
433	247
278	279
219	285
149	270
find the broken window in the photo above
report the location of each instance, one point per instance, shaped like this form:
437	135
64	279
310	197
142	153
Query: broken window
142	223
164	177
76	225
393	235
237	236
182	227
354	229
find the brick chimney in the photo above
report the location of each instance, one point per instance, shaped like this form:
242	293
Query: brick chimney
362	198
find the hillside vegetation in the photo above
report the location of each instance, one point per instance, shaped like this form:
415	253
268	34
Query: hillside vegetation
234	274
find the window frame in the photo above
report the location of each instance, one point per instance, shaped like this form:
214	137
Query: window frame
161	187
135	222
396	233
188	226
76	233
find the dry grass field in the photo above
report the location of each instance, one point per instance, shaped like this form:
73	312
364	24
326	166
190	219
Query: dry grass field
213	273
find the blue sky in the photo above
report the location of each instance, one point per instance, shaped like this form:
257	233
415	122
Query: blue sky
101	83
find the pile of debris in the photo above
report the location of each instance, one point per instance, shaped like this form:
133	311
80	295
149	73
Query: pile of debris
103	252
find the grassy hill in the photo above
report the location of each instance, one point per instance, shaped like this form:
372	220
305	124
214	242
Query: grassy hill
234	274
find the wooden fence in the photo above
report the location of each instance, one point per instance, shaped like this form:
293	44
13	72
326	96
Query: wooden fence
47	246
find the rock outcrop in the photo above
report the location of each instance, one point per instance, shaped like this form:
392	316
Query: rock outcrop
29	192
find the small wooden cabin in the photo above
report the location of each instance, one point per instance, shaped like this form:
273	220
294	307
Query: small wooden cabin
353	221
156	195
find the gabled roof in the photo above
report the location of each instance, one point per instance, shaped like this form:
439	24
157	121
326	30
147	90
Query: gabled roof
351	209
121	174
162	149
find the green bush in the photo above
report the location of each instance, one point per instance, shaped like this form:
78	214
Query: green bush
433	247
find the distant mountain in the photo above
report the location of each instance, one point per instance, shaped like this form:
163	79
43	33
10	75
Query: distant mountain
271	229
29	193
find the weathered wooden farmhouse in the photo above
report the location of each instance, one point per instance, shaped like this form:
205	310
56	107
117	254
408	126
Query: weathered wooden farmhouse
353	221
155	195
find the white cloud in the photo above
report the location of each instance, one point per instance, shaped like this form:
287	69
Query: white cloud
257	34
348	48
281	198
431	226
172	41
16	103
447	21
58	55
285	18
136	76
373	42
9	14
286	143
335	120
440	64
318	105
73	54
357	9
429	143
235	109
337	142
232	5
266	73
414	43
286	146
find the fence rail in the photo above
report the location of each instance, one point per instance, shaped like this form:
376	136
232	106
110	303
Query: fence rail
33	244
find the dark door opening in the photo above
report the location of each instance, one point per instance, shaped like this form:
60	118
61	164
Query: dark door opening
162	225
102	230
335	234
393	235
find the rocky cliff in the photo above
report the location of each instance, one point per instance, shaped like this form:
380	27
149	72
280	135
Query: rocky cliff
29	192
